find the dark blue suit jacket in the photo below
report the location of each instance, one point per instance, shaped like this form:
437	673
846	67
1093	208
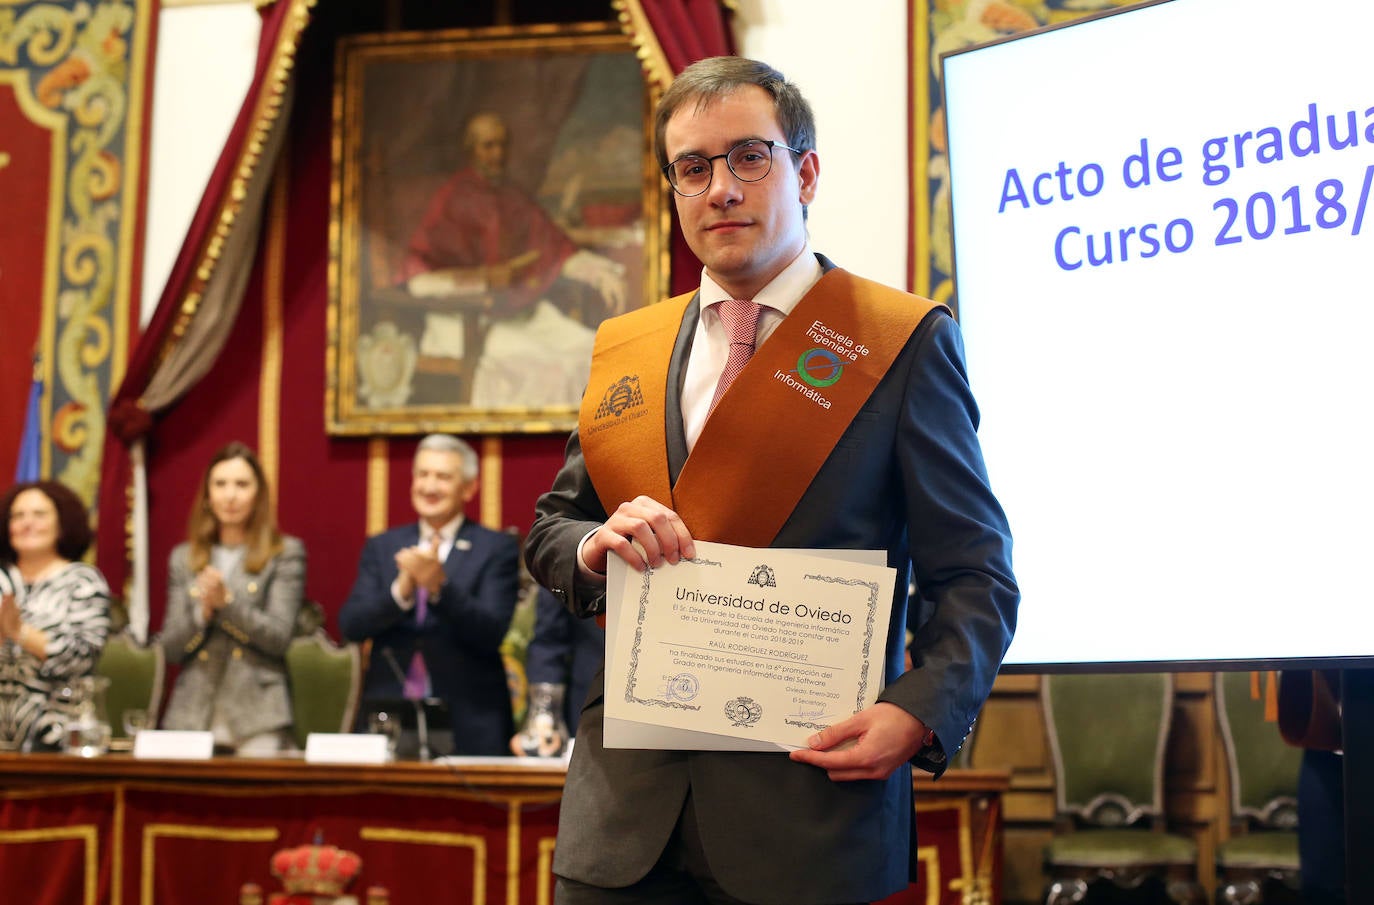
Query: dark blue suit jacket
461	636
566	651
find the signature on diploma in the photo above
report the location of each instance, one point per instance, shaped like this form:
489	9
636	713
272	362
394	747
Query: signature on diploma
813	714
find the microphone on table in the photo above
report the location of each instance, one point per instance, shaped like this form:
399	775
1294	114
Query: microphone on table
421	720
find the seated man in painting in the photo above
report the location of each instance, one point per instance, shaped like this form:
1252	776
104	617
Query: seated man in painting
483	235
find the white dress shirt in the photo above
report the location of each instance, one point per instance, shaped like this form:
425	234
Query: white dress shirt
711	347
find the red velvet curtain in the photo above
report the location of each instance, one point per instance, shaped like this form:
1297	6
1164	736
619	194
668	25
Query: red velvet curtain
128	420
686	31
689	30
323	481
321	487
322	484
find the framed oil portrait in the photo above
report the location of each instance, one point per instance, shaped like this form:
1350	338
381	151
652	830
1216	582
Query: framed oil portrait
494	198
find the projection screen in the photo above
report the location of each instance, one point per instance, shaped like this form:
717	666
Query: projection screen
1163	257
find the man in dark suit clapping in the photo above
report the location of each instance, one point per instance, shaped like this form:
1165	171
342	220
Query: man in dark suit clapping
436	599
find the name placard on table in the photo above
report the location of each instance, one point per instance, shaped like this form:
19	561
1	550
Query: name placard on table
173	744
346	748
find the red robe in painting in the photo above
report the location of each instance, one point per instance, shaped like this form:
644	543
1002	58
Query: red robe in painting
472	222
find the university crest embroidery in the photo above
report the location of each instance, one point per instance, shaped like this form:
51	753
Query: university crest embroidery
619	396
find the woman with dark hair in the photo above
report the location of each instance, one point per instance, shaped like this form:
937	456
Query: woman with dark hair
234	588
54	611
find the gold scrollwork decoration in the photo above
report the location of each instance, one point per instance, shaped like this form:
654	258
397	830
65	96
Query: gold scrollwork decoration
103	181
929	858
85	255
82	68
69	427
46	32
543	894
97	349
61	79
83	418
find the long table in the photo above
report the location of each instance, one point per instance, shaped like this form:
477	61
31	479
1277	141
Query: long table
115	830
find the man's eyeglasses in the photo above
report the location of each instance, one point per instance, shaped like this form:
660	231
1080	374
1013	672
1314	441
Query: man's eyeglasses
750	161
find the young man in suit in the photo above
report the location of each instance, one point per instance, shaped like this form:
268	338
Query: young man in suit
849	424
436	599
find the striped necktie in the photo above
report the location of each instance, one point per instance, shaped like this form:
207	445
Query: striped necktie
417	676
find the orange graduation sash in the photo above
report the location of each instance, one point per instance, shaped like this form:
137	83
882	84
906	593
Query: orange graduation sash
772	430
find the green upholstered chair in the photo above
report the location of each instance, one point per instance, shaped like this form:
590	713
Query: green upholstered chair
325	681
1259	863
1107	738
136	674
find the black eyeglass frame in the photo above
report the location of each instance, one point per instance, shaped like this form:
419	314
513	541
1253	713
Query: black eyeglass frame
768	143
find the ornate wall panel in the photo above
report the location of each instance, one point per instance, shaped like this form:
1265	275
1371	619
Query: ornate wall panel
73	86
940	26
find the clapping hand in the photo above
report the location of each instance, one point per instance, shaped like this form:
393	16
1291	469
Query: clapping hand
209	589
420	567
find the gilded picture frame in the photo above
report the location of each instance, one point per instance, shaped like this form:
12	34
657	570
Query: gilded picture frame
938	27
493	198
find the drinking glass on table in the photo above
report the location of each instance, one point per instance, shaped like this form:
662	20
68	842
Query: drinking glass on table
384	722
135	720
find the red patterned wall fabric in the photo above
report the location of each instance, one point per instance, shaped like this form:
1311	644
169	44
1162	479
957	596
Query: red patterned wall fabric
74	90
322	481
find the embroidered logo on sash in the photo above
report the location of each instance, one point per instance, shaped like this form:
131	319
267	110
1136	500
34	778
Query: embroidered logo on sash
619	396
819	367
763	577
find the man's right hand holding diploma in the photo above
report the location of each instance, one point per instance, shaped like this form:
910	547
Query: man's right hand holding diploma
643	532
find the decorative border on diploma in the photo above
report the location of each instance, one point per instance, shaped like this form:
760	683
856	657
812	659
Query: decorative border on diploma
630	680
868	639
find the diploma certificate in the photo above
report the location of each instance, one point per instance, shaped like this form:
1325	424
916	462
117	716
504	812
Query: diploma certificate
743	648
